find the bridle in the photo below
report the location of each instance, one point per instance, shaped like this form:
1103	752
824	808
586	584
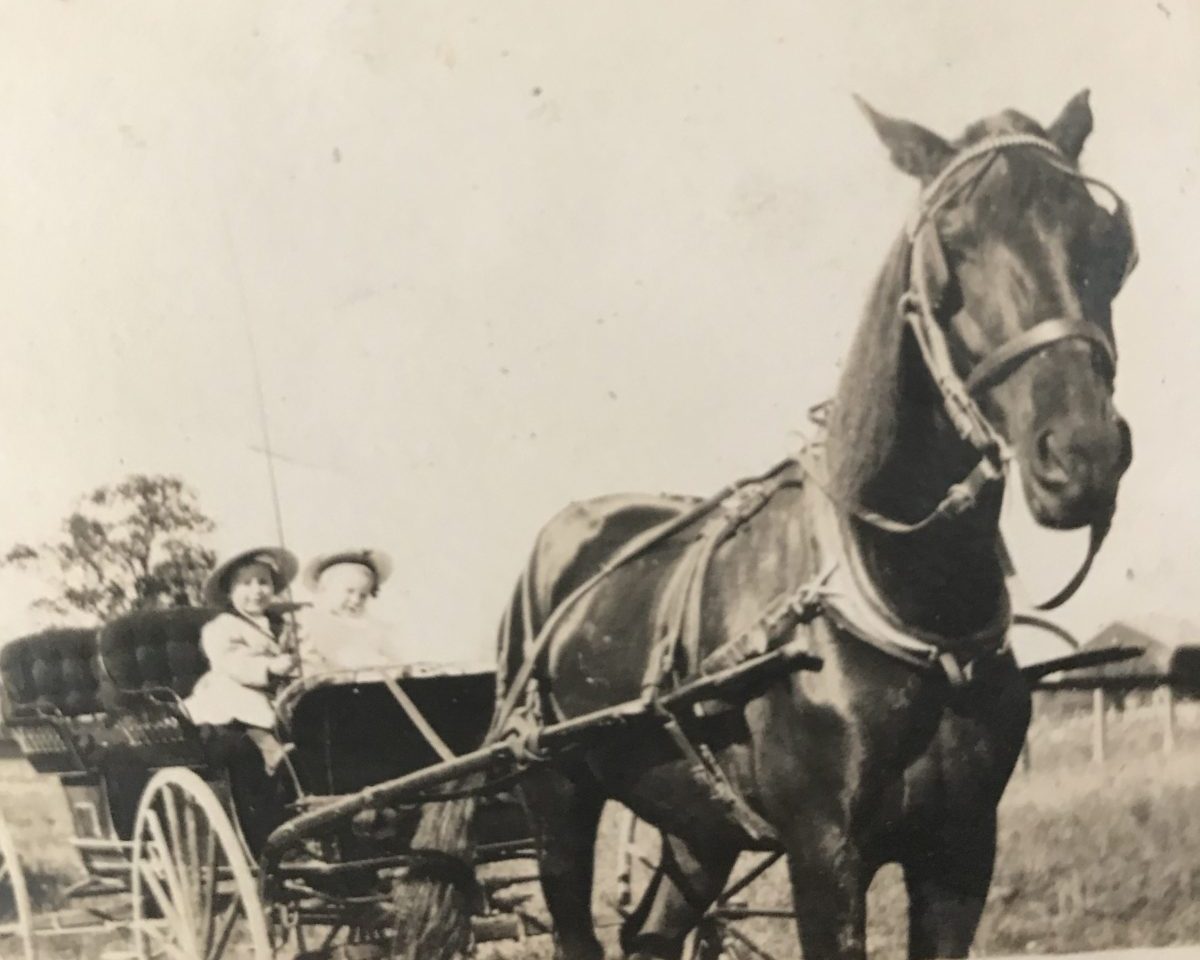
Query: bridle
958	394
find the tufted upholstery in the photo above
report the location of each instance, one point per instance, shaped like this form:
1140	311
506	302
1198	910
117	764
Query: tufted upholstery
152	649
50	672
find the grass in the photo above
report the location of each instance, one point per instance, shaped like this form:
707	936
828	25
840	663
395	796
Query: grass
1090	856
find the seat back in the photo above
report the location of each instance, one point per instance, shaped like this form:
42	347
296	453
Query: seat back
50	697
50	673
152	651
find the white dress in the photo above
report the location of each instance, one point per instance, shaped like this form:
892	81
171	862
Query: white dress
238	682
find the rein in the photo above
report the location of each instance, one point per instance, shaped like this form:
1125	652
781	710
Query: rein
958	395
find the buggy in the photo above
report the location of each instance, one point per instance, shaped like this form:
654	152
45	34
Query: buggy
188	844
170	817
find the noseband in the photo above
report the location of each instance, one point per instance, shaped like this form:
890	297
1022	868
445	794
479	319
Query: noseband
958	395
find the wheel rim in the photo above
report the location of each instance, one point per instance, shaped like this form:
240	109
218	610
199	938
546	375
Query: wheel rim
16	919
194	892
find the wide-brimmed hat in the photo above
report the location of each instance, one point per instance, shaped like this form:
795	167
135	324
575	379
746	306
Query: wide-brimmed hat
378	562
282	564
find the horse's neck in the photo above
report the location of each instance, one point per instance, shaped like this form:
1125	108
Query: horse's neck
946	578
894	451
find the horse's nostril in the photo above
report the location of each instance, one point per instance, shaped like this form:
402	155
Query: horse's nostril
1052	470
1125	458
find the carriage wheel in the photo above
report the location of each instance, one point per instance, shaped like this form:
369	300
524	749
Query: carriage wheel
717	937
16	914
194	893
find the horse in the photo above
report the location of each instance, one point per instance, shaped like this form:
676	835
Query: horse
986	350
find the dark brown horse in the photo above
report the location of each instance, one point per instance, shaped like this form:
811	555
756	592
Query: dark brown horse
988	340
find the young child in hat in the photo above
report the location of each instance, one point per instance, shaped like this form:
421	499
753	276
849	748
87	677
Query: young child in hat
246	649
335	632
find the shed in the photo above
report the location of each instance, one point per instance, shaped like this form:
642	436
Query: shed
1171	652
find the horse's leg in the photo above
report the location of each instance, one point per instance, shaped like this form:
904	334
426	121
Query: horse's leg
948	886
564	812
683	888
829	890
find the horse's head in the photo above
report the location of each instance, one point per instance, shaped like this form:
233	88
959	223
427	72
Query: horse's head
1015	264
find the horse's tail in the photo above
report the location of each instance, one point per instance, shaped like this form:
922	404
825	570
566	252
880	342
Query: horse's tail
436	899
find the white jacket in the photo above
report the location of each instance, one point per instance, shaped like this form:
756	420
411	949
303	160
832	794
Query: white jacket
238	682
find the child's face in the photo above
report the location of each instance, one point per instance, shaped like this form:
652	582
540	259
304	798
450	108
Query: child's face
251	588
344	589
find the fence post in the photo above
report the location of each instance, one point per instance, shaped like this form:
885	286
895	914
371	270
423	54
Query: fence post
1098	721
1167	696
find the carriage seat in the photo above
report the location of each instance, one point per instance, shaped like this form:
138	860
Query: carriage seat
152	652
149	662
50	673
50	697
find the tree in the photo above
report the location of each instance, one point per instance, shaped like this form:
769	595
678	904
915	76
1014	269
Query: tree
128	546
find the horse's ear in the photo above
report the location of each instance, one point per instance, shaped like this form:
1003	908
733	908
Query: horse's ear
915	150
1073	125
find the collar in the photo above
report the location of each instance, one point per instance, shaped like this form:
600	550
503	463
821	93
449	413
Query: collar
855	604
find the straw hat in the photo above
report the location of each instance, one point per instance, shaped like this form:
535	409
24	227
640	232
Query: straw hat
282	564
378	562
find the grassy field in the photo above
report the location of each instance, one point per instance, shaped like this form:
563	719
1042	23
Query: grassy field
1090	856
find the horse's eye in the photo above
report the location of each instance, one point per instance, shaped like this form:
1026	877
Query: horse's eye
1100	255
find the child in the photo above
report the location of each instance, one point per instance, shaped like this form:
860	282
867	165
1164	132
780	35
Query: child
335	633
246	651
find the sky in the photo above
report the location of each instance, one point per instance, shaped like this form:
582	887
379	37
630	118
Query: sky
495	257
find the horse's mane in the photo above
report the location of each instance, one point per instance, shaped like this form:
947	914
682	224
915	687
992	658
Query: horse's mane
865	413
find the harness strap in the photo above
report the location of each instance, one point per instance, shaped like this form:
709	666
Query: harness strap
682	627
707	771
960	497
1004	359
781	616
1095	541
683	620
537	643
1099	530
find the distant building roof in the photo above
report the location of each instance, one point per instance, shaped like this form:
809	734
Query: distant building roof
1171	648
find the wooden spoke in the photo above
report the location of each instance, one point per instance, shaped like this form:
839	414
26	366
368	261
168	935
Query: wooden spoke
224	928
166	942
148	874
209	882
194	891
16	922
175	905
180	845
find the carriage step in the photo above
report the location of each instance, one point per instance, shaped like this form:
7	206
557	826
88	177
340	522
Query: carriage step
498	926
348	951
76	920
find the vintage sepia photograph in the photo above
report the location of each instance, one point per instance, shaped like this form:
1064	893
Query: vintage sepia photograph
579	481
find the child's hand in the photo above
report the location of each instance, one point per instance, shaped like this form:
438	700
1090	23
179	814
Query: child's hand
281	666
